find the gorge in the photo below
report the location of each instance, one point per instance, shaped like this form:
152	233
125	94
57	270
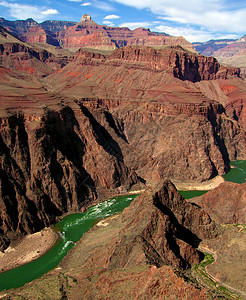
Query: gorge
79	127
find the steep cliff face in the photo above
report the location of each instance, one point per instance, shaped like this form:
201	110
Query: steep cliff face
89	34
231	94
228	52
55	164
37	34
185	66
20	57
18	27
131	110
210	47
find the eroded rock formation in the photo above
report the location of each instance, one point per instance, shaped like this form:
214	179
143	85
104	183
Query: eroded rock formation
169	124
89	34
160	228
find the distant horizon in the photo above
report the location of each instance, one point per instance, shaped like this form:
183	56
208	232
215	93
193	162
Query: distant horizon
196	21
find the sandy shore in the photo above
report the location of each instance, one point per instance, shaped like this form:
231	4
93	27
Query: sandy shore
203	186
31	247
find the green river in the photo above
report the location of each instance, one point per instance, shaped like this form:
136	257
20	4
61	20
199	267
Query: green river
72	228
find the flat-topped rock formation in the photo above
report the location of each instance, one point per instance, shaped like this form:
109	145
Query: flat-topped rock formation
89	34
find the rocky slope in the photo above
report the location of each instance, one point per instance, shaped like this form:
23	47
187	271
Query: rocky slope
17	55
37	34
73	129
88	34
138	255
164	226
225	204
210	47
21	27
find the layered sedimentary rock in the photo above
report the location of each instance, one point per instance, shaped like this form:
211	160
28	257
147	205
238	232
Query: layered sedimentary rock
89	34
170	125
210	47
37	34
230	52
17	55
231	94
139	114
21	27
185	66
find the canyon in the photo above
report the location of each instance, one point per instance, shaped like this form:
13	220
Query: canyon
230	52
79	126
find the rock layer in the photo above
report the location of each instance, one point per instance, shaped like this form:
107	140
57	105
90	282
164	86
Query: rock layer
170	125
88	34
139	114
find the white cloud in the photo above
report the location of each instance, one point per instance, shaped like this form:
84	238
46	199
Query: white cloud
193	35
111	17
50	11
22	11
103	5
214	15
85	4
75	0
134	25
108	23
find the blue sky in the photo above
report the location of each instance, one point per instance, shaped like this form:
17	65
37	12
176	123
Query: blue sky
196	20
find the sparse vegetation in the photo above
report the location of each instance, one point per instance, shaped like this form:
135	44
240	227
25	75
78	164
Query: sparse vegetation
199	270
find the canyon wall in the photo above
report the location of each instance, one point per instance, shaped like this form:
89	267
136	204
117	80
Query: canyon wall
96	124
89	34
55	164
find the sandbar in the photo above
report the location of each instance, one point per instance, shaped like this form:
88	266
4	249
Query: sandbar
202	186
31	247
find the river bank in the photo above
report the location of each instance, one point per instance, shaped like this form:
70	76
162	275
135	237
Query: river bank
33	246
28	249
202	186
